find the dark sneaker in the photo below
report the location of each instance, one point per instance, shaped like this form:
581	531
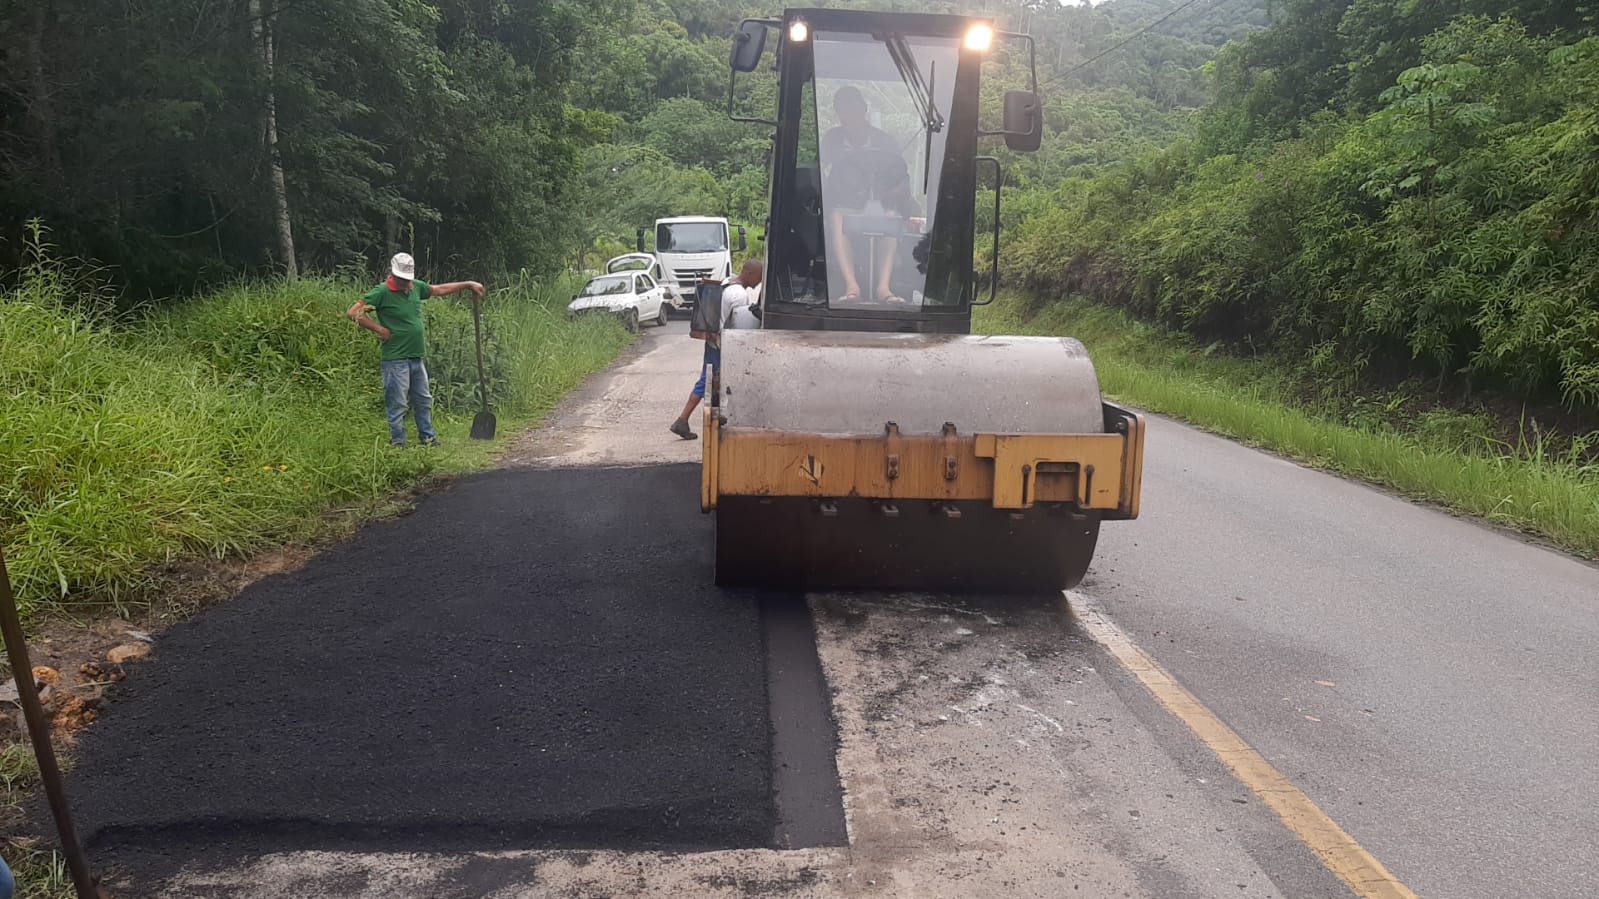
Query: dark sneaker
680	428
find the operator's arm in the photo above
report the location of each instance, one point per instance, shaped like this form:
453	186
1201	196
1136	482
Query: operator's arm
358	315
444	290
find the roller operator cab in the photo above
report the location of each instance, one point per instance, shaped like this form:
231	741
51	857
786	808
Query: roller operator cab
863	437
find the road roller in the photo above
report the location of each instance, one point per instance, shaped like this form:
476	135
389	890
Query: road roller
862	436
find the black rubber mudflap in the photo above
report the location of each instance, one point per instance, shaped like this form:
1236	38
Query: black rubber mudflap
853	543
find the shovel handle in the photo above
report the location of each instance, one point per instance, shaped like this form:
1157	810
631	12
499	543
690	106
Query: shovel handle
477	333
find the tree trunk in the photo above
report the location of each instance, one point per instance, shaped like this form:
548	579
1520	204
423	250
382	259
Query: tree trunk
261	31
391	237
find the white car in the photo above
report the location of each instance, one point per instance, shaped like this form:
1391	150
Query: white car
632	296
644	262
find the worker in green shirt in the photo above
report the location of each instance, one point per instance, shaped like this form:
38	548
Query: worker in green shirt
398	304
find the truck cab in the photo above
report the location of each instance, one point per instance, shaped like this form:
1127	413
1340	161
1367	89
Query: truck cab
691	249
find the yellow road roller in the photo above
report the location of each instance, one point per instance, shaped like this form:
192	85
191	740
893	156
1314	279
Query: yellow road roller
862	436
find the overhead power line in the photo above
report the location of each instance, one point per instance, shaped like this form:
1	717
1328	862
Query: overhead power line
1124	41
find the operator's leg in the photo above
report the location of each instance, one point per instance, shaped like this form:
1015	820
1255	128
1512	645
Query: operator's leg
887	249
838	248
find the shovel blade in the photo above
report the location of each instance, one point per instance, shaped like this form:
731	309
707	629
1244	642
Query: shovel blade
483	425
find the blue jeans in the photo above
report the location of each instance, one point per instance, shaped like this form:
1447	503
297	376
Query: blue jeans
405	384
713	358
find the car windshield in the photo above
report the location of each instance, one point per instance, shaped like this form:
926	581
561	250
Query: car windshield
691	237
604	287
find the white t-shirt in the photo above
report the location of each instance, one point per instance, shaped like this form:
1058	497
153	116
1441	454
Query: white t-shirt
736	307
743	317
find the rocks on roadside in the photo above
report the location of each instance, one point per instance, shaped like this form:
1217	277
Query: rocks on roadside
46	680
71	703
126	651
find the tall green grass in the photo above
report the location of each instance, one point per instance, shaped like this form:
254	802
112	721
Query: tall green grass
1448	458
234	421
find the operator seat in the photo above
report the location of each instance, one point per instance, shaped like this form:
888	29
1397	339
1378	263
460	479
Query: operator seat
807	247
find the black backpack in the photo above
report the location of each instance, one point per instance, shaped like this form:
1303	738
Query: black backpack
707	320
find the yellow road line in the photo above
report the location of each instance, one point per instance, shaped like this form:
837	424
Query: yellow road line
1337	849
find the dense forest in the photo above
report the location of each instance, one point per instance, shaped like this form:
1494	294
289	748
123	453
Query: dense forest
1386	188
1361	185
182	142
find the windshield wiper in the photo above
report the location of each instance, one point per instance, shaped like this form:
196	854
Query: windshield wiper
921	94
911	74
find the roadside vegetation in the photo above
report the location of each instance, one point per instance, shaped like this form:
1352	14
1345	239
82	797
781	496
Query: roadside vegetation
40	872
1370	245
1527	478
235	421
1439	222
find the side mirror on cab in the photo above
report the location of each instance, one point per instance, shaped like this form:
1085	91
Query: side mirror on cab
1024	121
743	242
641	240
748	44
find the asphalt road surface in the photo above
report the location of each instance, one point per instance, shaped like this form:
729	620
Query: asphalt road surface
531	657
1460	739
527	688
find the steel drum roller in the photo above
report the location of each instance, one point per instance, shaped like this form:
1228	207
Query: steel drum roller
786	384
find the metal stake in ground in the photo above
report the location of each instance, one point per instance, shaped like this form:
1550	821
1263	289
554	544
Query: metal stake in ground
483	423
39	731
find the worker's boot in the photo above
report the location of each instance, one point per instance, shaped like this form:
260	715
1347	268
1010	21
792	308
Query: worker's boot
680	428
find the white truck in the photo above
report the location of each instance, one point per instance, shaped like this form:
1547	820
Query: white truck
691	248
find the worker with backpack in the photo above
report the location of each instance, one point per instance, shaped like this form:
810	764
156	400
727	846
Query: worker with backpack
715	304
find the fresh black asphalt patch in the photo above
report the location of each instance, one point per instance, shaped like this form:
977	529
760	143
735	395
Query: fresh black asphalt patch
529	659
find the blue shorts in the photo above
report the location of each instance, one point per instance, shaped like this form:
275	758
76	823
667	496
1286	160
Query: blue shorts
713	358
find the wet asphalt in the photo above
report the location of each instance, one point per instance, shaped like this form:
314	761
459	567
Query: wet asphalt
530	658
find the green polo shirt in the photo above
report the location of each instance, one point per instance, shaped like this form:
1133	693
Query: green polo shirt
401	313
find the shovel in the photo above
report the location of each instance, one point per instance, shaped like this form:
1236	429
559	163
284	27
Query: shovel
483	423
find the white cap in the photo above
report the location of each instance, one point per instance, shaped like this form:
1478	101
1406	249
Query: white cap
403	266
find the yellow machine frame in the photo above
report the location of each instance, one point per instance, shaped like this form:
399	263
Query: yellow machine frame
1093	472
